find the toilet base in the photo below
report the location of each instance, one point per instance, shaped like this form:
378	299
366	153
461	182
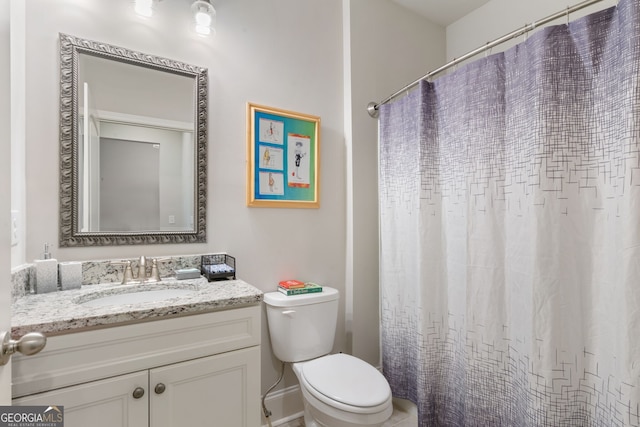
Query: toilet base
309	421
314	418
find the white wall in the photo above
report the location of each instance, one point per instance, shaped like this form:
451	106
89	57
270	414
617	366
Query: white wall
386	47
17	95
499	17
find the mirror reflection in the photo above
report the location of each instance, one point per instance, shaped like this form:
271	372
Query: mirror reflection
135	158
137	148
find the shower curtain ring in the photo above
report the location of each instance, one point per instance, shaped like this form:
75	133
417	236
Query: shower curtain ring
568	16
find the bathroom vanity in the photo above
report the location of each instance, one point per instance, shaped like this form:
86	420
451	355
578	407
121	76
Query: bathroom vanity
192	359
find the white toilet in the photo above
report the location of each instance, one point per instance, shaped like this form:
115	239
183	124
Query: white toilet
338	390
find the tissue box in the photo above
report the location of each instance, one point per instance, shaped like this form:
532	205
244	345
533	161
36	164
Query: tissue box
46	275
70	275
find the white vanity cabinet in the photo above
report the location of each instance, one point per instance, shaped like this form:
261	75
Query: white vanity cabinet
102	403
197	370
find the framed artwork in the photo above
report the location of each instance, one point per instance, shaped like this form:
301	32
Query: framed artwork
283	163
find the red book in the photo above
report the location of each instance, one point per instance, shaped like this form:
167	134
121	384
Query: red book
291	284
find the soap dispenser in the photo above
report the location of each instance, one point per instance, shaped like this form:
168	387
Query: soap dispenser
46	272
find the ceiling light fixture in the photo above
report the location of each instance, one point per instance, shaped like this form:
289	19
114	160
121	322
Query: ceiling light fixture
204	17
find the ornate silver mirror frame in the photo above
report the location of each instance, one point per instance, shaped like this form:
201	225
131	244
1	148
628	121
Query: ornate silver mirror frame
70	236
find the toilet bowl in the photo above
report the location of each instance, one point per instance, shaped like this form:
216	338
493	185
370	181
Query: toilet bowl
338	390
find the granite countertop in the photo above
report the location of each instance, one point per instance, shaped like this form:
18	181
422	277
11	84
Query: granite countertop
63	312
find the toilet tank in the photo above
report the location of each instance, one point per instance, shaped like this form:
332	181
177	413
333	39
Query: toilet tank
302	327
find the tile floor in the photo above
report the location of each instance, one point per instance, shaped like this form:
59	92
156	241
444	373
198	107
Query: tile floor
404	415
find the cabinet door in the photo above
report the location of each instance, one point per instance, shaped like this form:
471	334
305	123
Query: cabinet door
104	403
220	390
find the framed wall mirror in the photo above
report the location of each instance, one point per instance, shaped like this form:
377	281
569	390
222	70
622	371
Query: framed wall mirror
133	147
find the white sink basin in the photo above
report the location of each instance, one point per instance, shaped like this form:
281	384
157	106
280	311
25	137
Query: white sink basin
137	297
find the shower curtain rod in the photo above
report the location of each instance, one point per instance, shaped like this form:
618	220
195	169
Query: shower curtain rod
372	108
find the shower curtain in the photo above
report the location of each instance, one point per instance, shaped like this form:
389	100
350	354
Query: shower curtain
510	233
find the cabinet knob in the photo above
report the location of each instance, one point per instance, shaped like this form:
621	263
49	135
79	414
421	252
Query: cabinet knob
29	344
160	388
138	393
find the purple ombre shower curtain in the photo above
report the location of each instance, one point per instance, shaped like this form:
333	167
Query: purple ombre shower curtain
510	233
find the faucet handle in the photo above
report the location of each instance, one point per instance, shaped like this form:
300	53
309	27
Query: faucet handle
127	275
155	274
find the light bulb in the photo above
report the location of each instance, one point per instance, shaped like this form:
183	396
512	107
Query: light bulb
203	17
202	29
144	8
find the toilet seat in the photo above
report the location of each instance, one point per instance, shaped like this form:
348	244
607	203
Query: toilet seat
347	383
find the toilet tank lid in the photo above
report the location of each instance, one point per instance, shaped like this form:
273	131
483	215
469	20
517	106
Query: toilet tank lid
278	299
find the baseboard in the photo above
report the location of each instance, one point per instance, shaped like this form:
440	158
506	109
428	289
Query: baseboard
285	405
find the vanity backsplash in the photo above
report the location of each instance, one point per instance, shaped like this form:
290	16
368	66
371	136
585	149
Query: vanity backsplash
103	271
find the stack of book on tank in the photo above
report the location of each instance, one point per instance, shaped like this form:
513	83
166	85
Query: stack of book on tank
296	287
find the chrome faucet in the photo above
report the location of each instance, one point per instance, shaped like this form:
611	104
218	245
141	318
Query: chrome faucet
142	270
128	276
